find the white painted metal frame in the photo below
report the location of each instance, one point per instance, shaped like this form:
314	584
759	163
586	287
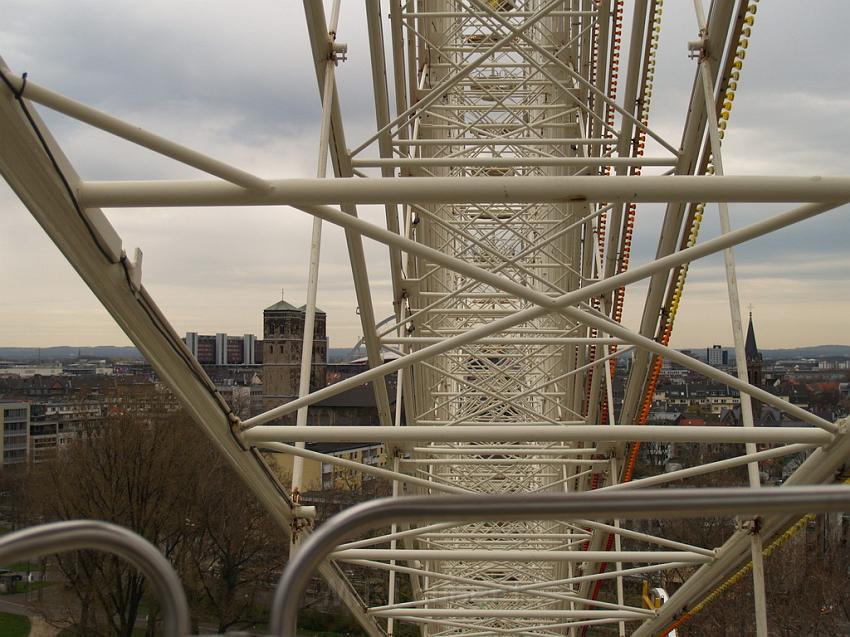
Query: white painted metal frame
507	163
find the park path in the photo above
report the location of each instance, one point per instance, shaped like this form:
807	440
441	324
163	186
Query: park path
17	604
41	628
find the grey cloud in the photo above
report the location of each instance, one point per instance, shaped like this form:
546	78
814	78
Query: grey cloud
188	58
237	82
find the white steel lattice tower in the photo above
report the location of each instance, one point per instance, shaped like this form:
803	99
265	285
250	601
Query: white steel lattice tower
512	146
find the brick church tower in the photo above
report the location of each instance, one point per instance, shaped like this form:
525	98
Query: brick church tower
283	331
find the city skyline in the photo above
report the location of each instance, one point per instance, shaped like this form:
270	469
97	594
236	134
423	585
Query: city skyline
213	329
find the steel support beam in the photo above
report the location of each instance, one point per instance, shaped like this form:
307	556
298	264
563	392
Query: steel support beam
312	192
94	249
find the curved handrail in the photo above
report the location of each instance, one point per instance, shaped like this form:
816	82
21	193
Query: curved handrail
58	537
461	508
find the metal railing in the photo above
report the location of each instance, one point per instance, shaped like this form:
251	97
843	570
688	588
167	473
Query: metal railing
658	503
59	537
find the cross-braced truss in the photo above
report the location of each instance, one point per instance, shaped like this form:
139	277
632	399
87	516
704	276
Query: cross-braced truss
508	166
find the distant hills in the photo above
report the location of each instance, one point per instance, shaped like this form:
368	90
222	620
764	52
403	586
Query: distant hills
341	354
66	352
814	351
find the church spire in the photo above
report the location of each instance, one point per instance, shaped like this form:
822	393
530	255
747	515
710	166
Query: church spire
750	348
754	360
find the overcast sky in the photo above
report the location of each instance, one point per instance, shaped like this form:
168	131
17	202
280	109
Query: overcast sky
235	80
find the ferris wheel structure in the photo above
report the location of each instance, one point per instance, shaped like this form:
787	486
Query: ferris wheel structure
513	149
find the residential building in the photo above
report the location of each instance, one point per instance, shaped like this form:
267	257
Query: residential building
54	424
707	396
318	476
716	356
14	425
29	370
352	408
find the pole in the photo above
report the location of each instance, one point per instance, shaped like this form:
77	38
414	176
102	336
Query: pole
312	289
759	598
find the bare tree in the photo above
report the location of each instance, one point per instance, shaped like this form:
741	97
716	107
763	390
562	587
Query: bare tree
234	551
131	470
806	582
149	470
13	509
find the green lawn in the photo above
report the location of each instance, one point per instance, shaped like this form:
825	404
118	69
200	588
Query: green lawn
22	566
28	587
73	632
14	625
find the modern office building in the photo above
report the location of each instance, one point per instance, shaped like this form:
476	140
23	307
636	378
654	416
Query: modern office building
222	349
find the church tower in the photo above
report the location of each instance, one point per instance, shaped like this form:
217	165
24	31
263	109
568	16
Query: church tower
754	359
283	331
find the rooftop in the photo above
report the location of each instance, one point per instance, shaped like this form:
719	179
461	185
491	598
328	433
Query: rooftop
285	306
361	396
282	306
